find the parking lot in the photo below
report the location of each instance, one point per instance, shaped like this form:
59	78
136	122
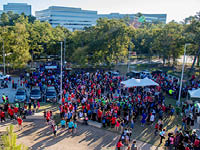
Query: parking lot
10	92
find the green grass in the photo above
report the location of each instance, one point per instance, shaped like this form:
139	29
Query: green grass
48	106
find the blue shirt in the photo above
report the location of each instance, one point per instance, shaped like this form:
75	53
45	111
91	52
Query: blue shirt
62	122
70	124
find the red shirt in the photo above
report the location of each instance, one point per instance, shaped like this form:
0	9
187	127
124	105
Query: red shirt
196	142
63	100
15	110
72	95
113	120
11	112
71	107
19	120
2	114
99	113
119	144
88	106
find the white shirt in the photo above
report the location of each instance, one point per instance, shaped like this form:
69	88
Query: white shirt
80	114
152	118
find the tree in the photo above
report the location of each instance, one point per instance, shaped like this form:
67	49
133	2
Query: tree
9	140
193	36
169	42
16	45
40	34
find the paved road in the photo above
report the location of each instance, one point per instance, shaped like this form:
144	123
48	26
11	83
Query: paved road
9	91
38	136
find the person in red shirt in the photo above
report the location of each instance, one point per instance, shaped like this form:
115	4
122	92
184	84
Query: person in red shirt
19	120
15	111
99	115
119	144
11	113
113	121
2	115
48	116
196	144
63	100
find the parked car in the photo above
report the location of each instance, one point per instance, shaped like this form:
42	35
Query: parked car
3	77
36	94
133	74
51	94
21	95
145	73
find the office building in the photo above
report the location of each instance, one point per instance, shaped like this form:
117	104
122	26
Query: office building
18	8
148	17
1	11
71	18
78	19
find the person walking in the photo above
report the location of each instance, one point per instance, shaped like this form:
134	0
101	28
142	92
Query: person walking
20	121
119	145
162	135
2	115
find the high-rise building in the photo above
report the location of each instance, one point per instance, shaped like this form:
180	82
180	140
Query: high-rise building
148	17
18	8
78	19
71	18
1	11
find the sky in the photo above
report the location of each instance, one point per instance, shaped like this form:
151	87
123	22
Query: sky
175	9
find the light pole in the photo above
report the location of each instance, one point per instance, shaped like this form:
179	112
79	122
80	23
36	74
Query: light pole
4	63
61	72
179	96
129	58
64	49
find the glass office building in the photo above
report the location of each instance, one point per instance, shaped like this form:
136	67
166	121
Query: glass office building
1	11
148	17
77	19
18	8
71	18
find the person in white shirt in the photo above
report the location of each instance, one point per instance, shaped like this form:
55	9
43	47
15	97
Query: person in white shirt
152	118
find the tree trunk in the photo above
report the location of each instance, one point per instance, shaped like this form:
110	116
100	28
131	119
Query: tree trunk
195	58
198	61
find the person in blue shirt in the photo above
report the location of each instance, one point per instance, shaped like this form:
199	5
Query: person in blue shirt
75	127
70	125
63	123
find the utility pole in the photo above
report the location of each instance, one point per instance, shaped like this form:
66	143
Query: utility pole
179	96
61	61
129	59
64	49
4	65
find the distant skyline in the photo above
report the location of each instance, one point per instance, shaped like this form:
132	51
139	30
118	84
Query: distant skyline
175	9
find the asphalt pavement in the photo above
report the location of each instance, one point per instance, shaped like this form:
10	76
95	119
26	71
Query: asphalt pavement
10	92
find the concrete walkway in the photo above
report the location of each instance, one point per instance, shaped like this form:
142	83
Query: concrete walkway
38	136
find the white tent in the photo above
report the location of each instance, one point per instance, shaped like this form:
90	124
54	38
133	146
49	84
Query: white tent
139	82
194	93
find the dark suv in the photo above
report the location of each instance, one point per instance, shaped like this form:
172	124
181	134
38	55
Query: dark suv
36	94
51	95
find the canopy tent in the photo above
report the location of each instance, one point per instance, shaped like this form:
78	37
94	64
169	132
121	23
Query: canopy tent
139	82
194	93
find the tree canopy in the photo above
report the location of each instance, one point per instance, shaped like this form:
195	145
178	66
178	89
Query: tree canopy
106	43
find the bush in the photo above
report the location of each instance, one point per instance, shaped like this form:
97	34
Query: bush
9	140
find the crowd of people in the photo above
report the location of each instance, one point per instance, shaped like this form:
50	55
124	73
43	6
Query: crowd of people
17	111
100	97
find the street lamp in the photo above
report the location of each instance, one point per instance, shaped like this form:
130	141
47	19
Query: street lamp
61	72
4	63
129	51
179	96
